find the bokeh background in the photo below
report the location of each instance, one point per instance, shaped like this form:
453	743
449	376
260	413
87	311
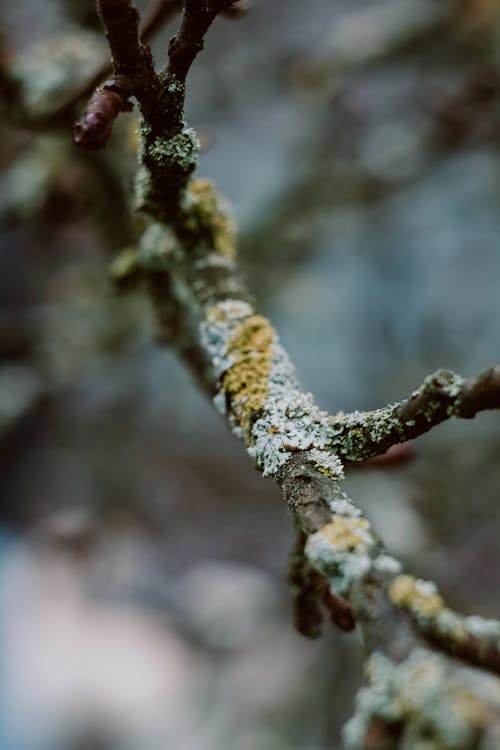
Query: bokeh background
143	593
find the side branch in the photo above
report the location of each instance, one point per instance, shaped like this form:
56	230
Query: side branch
443	395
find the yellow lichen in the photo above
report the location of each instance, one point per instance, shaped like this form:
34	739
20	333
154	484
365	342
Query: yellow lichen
125	264
469	708
205	214
406	591
246	382
327	472
348	533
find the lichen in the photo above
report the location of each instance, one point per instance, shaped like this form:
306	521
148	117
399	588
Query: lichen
157	243
480	627
387	565
342	550
143	187
344	507
205	213
418	703
422	601
265	405
419	596
166	163
347	533
125	270
354	434
245	383
327	463
216	330
178	152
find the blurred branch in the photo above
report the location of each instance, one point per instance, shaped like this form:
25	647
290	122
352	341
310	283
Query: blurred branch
472	638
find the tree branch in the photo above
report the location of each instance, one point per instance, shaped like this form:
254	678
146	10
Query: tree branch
443	395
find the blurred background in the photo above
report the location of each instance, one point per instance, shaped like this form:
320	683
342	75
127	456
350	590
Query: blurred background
143	593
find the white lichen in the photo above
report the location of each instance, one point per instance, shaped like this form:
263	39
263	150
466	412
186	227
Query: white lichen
344	507
157	243
387	565
218	328
481	628
289	420
421	699
340	566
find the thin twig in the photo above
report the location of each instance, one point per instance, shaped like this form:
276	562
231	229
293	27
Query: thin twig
188	42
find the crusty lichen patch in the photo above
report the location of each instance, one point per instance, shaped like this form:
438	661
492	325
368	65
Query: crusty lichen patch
347	534
165	166
207	214
419	596
246	383
260	393
345	551
423	702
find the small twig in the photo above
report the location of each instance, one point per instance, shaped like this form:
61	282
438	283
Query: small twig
121	20
196	20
